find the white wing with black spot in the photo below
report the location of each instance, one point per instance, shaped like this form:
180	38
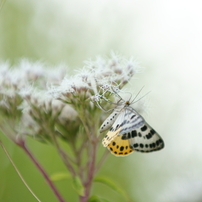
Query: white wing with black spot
127	120
144	139
109	121
132	127
112	133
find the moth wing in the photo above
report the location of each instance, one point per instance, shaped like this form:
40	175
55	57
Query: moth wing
115	130
120	147
144	139
127	120
109	121
131	126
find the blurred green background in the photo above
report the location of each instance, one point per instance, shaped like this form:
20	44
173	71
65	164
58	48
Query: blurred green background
165	36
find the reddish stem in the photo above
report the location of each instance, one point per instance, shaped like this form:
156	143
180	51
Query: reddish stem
91	172
21	143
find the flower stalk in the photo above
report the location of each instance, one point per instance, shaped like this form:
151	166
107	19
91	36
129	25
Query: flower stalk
41	170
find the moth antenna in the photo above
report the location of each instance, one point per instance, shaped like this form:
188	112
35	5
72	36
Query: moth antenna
133	101
141	97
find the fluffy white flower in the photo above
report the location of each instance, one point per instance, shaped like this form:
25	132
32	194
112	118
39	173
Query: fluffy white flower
96	77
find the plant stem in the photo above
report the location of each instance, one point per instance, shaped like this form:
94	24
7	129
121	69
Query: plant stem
64	157
91	171
18	172
66	162
42	171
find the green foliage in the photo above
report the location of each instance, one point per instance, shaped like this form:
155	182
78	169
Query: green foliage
95	198
108	182
76	181
78	186
60	176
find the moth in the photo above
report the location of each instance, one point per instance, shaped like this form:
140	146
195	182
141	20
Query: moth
129	132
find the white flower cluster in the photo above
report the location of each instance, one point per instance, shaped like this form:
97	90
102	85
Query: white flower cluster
96	78
33	96
28	72
23	90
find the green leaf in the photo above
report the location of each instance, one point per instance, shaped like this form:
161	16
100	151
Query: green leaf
78	186
97	199
94	199
112	185
60	176
104	200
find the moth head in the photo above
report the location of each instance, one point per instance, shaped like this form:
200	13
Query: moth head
127	102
